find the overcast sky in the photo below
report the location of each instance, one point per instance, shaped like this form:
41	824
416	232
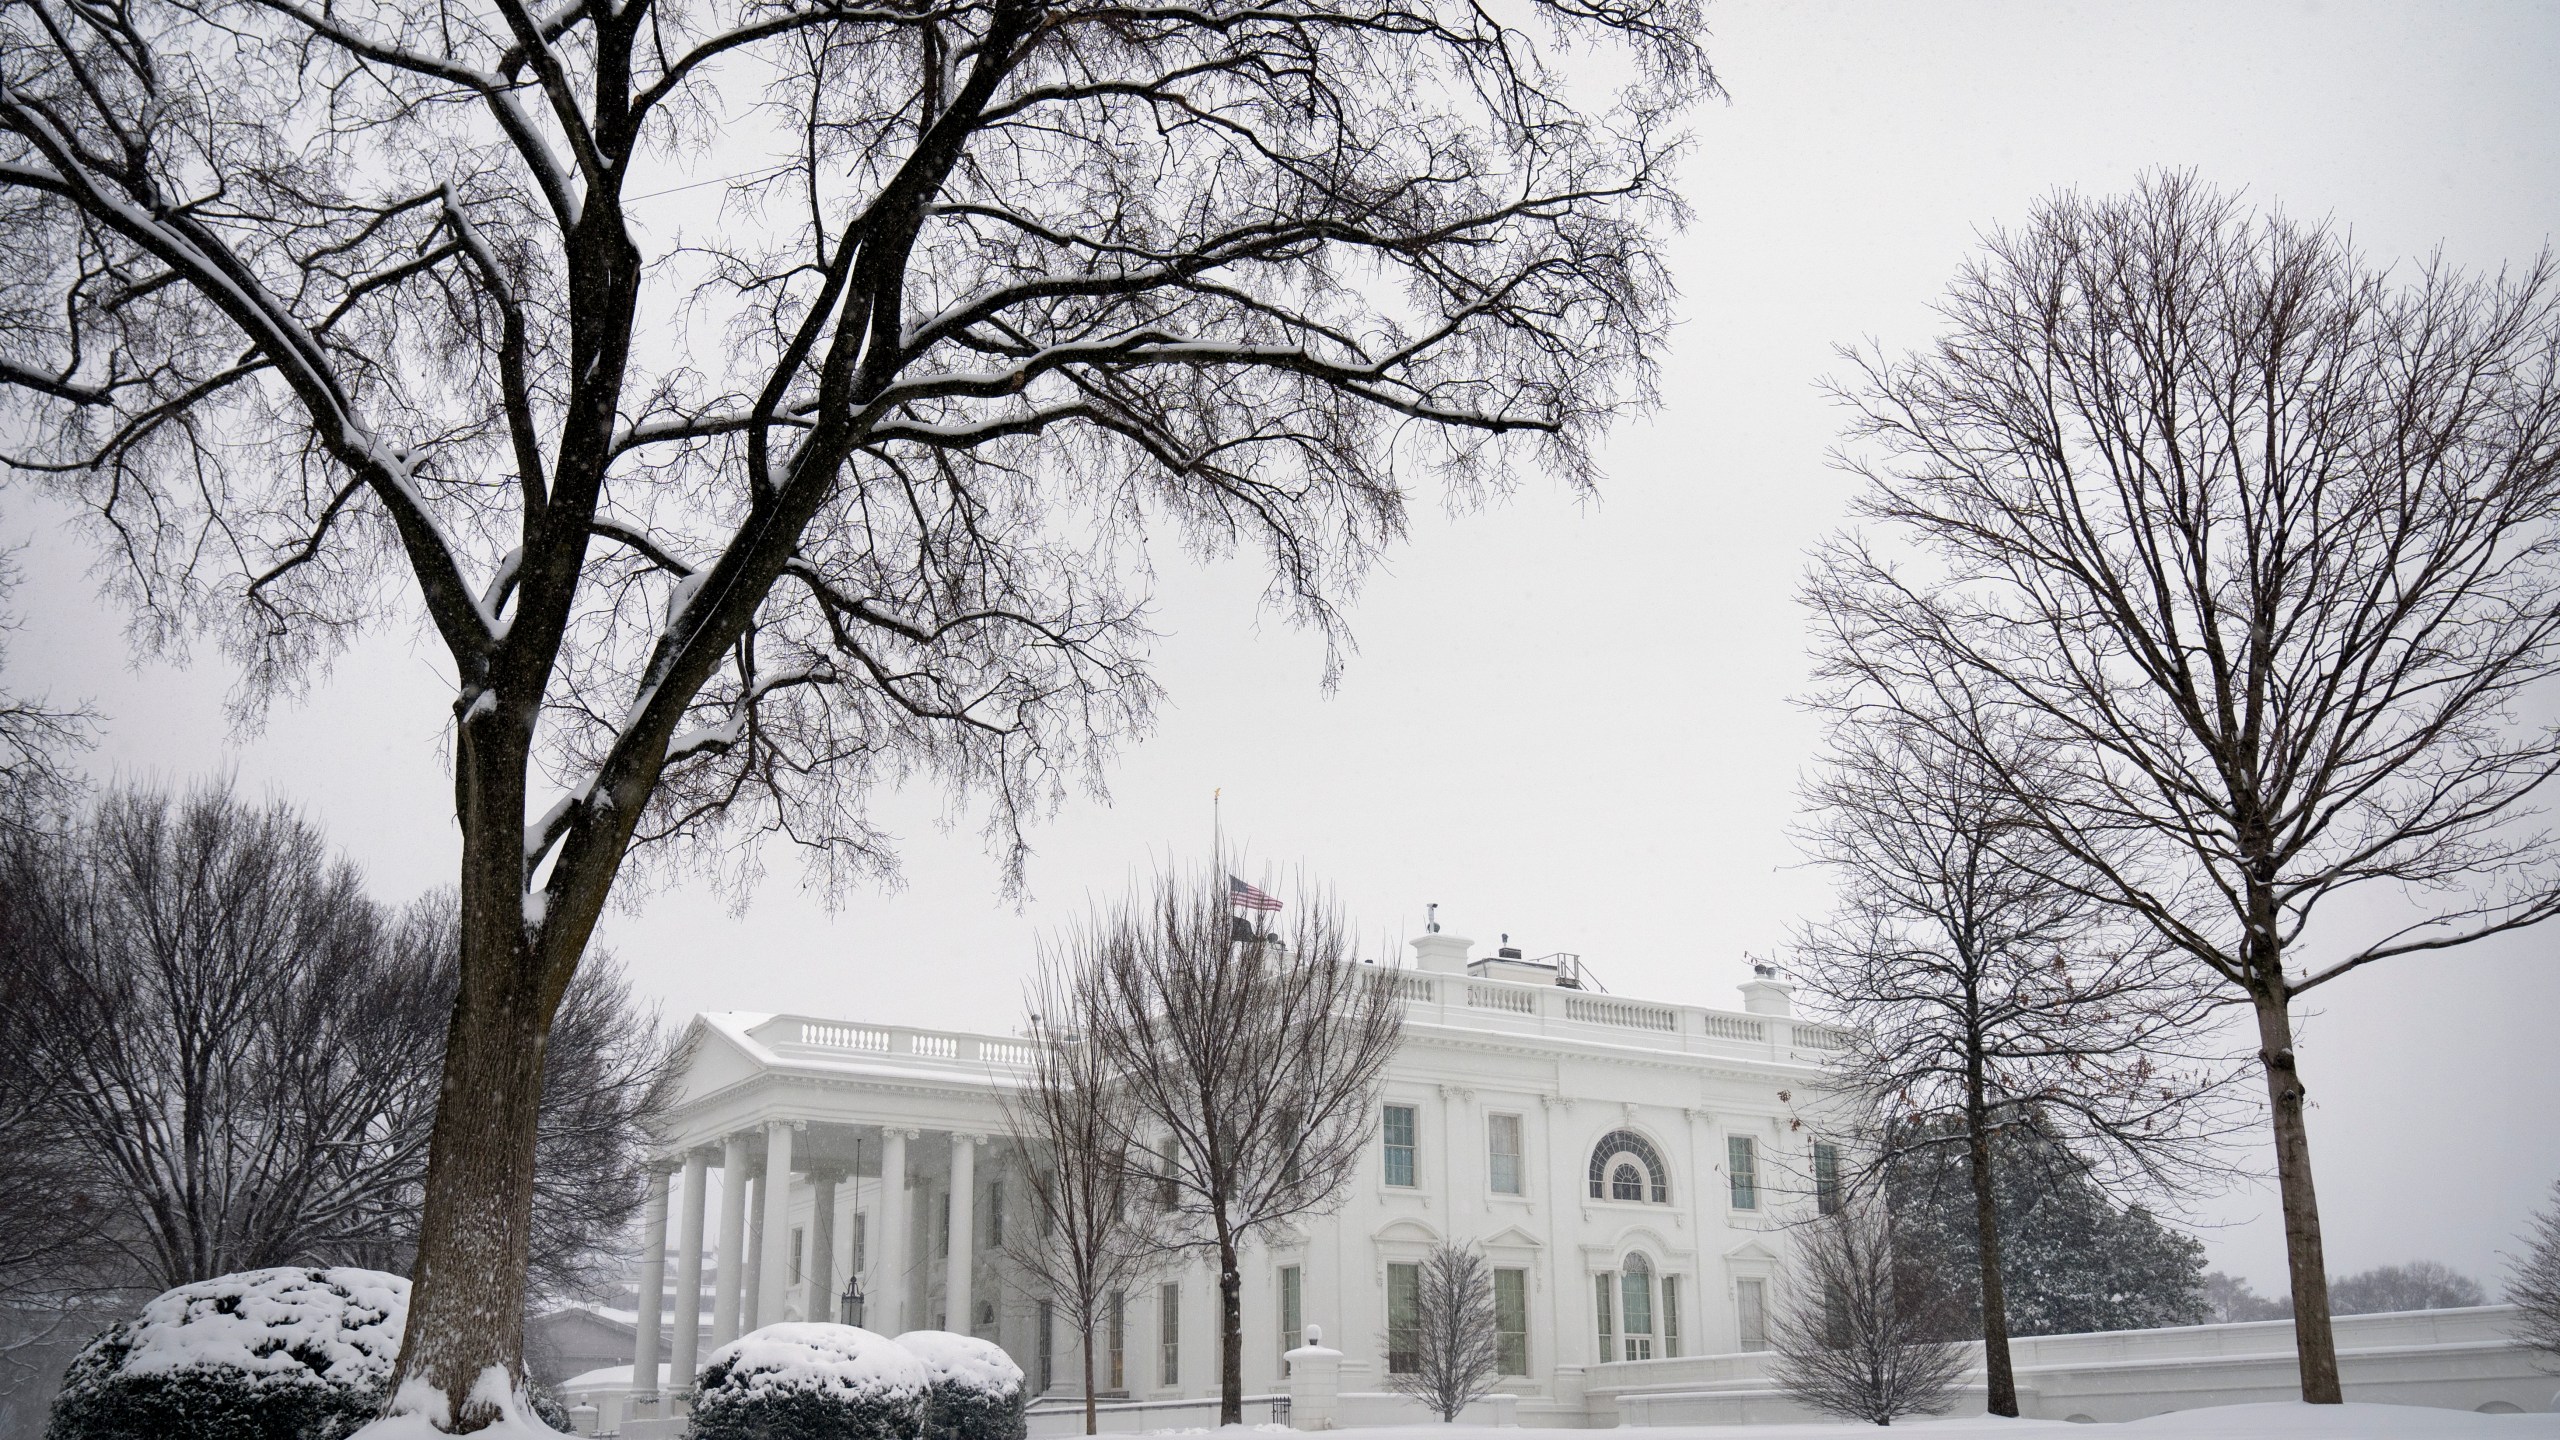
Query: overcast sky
1570	722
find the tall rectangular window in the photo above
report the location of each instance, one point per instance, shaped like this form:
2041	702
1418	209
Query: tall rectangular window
799	1239
1511	1321
1502	1156
1400	1127
995	1214
1742	1167
1751	1306
1602	1286
1826	1178
1048	1351
1166	1195
1636	1303
1670	1317
1119	1331
1404	1319
1169	1329
942	1230
1293	1315
861	1224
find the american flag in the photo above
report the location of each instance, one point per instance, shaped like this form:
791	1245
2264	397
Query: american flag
1246	897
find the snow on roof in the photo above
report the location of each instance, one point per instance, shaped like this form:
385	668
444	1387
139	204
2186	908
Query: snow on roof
343	1324
802	1356
972	1362
611	1377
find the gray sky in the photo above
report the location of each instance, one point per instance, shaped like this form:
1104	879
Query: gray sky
1570	722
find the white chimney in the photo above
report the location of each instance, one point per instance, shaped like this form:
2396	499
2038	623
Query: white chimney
1767	992
1441	954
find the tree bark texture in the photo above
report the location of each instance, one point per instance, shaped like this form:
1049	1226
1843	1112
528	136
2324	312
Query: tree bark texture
1230	1336
2314	1342
2000	1381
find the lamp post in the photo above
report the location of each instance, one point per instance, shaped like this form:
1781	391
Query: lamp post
849	1304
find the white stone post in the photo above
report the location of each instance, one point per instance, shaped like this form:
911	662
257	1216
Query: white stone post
822	1247
958	1315
688	1355
1315	1383
653	1279
751	1283
773	1281
733	1241
889	1284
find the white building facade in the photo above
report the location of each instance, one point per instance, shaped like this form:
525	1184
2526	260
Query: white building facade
1625	1166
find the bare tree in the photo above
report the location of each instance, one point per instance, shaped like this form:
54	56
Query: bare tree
2534	1287
1994	1008
2418	1285
36	738
224	1055
2256	546
1090	1240
1862	1331
1252	1058
1456	1342
720	525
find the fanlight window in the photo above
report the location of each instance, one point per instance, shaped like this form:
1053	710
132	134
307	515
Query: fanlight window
1625	1166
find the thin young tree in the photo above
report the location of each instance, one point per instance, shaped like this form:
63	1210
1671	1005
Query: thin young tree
37	737
760	403
1456	1341
2256	542
1994	1008
2533	1287
1090	1239
1861	1330
1252	1055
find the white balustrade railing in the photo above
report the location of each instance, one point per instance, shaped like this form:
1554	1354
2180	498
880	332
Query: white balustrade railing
1733	1027
1502	997
1626	1014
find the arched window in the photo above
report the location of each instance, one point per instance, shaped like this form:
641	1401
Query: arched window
1625	1166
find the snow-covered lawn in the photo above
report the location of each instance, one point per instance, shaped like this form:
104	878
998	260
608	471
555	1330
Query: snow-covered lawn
2226	1422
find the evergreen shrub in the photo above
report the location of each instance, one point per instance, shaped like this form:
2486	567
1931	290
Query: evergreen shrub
283	1354
810	1382
976	1389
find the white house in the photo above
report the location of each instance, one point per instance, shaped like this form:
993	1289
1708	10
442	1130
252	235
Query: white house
1620	1162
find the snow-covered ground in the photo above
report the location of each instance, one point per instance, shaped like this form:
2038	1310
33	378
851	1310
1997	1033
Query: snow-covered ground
2224	1422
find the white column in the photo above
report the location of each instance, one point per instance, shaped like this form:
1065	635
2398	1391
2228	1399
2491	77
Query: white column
688	1357
733	1241
653	1279
956	1302
822	1246
889	1235
773	1284
751	1285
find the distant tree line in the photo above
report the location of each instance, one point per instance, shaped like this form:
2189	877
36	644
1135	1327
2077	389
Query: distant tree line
223	1055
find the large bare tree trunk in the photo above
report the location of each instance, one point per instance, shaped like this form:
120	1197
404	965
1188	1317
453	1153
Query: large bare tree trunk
2314	1343
1999	1378
466	1306
1092	1414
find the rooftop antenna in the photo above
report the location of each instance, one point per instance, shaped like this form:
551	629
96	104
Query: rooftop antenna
1431	917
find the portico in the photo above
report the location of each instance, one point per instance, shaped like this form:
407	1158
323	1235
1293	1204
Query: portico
896	1183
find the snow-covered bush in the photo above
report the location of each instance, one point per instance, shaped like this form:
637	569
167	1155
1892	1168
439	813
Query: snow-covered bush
810	1382
284	1354
976	1388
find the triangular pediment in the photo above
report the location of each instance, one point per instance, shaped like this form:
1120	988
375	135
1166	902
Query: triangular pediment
1512	1237
1752	1250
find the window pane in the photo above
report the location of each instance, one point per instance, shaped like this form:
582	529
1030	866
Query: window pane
1742	1163
1404	1319
1503	1153
1400	1129
1826	1178
1753	1304
995	1215
1048	1347
1608	1307
1637	1288
1119	1341
1670	1317
1511	1319
1169	1324
1293	1325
